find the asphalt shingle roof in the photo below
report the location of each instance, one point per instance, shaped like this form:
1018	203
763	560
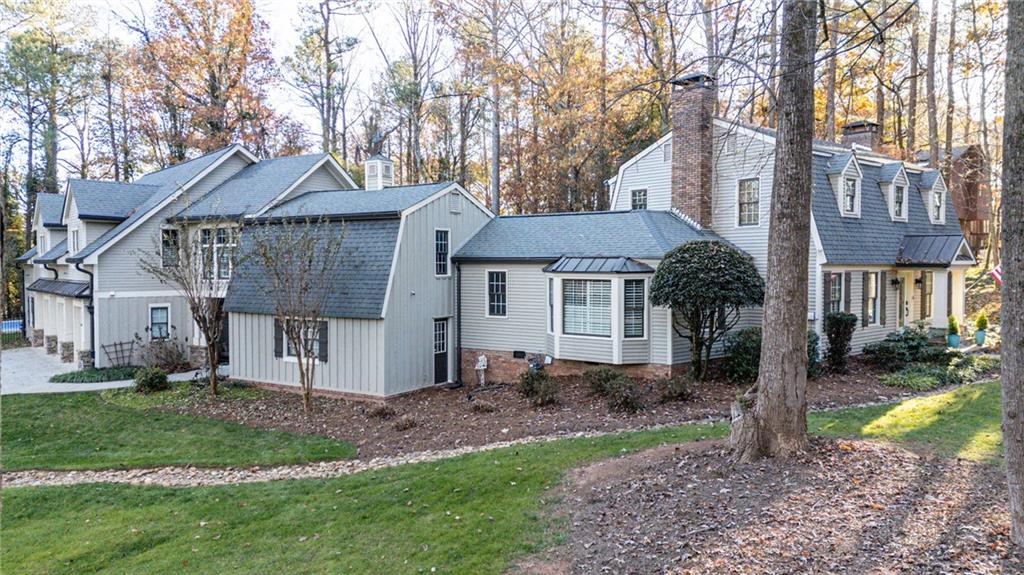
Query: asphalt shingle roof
167	181
639	234
358	281
54	254
50	208
873	238
929	250
250	190
60	287
101	200
888	172
356	202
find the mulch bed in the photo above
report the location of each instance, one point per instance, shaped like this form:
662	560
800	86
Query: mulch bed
446	419
845	507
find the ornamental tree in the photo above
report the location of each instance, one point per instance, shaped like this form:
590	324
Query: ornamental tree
706	283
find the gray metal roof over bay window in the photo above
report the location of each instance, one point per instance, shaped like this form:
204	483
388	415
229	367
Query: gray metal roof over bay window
573	265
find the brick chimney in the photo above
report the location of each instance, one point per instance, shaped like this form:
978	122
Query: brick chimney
693	105
862	132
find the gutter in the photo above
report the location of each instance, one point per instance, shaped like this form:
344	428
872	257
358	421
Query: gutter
90	307
330	217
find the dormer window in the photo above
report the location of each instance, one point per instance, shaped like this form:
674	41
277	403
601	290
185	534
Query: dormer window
850	188
899	203
938	206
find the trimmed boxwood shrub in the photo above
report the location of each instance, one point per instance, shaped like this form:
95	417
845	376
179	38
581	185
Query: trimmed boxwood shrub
151	379
598	378
743	355
839	328
675	388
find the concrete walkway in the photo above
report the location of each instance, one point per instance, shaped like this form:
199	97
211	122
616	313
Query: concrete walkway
29	369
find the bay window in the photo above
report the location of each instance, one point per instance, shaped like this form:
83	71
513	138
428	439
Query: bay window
586	307
633	309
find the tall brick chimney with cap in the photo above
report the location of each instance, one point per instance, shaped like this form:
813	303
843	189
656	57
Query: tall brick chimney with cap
693	106
862	132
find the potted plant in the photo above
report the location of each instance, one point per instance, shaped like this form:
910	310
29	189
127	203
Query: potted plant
981	324
953	339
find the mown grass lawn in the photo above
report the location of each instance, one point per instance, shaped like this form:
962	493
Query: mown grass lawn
82	431
472	514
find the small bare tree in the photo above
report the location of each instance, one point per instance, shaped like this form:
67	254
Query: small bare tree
294	262
196	259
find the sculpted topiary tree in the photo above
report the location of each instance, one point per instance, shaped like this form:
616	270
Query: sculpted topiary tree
706	283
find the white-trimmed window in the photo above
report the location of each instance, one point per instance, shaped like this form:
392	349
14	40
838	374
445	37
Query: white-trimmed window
899	202
310	341
587	307
749	201
927	287
441	257
497	293
551	305
159	321
455	203
666	151
873	300
850	189
169	246
371	169
73	244
633	312
638	199
217	247
938	207
835	293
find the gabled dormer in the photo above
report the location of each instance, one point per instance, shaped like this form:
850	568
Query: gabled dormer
846	177
895	186
934	195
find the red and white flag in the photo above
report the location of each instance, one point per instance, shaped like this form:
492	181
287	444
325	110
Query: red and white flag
998	274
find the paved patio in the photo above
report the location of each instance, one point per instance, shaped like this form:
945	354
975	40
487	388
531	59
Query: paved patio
29	369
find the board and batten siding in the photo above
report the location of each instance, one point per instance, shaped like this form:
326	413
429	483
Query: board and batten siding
355	359
118	267
418	296
321	179
525	327
119	319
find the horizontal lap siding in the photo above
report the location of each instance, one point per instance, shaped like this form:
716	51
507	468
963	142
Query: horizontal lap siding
596	349
418	296
355	357
651	173
120	319
659	336
320	179
636	351
525	327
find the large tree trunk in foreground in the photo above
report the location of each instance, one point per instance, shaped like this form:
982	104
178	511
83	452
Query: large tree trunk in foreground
1013	271
933	109
776	424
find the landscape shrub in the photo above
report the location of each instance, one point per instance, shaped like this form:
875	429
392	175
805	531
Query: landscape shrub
382	411
481	406
168	354
598	378
624	395
546	392
982	322
839	328
743	355
929	376
151	379
900	348
95	375
953	327
530	381
675	388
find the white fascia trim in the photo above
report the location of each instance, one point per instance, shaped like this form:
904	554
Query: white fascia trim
443	192
964	244
237	148
294	185
341	171
394	266
67	200
136	294
622	169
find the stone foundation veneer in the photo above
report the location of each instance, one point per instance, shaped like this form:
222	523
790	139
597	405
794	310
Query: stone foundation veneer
67	351
37	338
503	368
51	344
85	360
197	356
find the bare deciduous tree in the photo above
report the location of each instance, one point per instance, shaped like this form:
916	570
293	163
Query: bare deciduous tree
294	261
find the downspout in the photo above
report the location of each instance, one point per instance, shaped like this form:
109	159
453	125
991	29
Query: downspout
89	308
24	306
458	325
48	268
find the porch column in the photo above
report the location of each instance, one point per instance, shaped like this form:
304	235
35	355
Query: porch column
940	283
959	293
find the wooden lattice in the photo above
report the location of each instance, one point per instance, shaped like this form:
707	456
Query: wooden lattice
119	354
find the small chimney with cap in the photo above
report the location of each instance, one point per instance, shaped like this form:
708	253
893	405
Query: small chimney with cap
863	133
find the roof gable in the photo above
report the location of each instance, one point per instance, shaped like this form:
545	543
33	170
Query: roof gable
337	203
111	201
49	210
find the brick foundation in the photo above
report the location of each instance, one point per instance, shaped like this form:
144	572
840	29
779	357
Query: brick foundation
197	356
51	344
85	360
37	338
503	368
67	351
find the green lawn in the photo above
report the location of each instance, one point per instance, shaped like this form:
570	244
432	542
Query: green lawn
82	431
473	514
